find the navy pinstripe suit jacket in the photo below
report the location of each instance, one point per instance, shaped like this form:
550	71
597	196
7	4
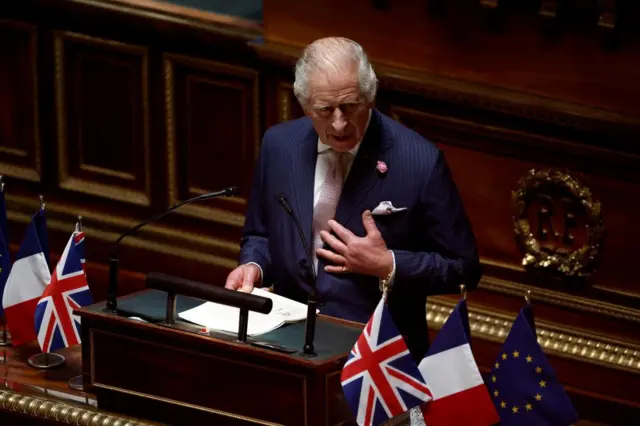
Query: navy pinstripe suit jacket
433	244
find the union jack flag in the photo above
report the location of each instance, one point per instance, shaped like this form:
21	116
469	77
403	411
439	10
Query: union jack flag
78	239
56	326
380	380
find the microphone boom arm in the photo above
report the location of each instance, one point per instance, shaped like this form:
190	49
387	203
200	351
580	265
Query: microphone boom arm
114	261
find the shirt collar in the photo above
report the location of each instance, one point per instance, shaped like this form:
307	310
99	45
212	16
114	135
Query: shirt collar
322	147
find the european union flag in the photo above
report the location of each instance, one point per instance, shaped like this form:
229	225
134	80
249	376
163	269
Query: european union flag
523	386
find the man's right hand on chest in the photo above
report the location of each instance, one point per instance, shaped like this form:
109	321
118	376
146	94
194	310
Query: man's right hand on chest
244	278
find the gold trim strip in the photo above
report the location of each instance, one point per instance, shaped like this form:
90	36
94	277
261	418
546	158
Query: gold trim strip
57	411
13	151
185	404
108	172
109	191
561	299
284	109
20	172
565	342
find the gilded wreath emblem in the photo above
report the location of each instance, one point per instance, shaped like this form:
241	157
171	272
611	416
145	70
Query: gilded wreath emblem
578	262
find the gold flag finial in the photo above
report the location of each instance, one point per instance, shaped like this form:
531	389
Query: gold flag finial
42	204
463	291
79	224
1	184
527	297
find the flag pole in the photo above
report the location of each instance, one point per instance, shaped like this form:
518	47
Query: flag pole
5	341
76	382
46	360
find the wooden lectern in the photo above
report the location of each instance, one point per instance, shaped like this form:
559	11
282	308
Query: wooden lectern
180	375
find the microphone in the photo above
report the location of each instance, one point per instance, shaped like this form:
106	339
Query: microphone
312	301
112	304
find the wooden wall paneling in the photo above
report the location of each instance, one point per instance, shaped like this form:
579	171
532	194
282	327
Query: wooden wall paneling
212	134
487	163
103	118
19	123
577	68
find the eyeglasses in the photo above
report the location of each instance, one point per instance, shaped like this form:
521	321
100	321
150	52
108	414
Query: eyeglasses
347	108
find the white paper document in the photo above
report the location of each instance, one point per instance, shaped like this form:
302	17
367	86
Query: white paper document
227	319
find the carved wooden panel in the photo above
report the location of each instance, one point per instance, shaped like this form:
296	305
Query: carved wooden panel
212	134
19	136
486	173
103	118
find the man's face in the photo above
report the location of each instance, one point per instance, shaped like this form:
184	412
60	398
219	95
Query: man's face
337	109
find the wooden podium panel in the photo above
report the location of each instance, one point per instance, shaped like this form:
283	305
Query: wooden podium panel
177	375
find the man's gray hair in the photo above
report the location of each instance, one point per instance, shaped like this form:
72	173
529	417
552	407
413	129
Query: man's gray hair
333	54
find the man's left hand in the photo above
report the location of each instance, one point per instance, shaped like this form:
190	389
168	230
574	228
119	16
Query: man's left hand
366	255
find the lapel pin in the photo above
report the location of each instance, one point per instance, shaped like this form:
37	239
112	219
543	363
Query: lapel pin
381	167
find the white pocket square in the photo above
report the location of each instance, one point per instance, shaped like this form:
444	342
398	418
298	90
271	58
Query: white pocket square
386	208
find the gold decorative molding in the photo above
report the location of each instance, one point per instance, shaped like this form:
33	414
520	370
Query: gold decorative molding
63	412
563	341
207	213
137	197
284	108
561	299
579	262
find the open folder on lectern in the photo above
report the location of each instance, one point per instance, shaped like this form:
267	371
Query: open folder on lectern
225	318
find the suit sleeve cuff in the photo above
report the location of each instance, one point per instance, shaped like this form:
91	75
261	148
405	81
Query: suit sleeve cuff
259	267
388	282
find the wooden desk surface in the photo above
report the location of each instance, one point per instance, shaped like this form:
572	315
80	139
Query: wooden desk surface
18	375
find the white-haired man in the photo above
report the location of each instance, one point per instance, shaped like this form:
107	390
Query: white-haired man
339	167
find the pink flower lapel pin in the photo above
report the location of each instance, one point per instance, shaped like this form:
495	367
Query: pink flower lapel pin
381	167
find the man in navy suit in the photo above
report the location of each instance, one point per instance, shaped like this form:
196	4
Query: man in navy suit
376	201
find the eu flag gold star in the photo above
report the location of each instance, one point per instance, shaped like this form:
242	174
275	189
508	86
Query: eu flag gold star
504	356
515	410
497	365
538	397
538	370
493	379
503	404
496	393
543	384
529	359
529	407
516	354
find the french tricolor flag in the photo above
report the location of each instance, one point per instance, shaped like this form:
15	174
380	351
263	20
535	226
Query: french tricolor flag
460	396
28	278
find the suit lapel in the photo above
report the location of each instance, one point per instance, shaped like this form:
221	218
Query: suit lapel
363	175
302	182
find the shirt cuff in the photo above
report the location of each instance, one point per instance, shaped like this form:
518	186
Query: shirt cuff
389	281
259	267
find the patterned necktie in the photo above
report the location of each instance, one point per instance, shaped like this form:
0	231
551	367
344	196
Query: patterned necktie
330	191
